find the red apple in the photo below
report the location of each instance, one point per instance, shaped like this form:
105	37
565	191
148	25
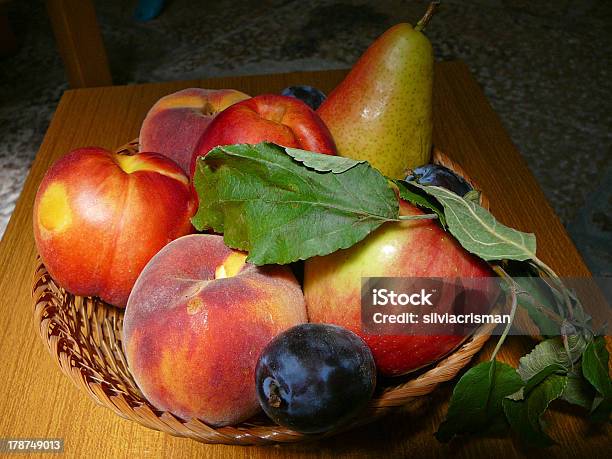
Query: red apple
416	248
176	122
196	322
283	120
99	217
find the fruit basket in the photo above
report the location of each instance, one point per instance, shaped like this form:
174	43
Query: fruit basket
84	337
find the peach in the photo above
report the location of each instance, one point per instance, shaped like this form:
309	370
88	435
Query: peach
99	217
176	122
196	322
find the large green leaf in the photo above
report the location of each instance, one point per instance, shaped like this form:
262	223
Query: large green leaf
478	231
267	203
476	403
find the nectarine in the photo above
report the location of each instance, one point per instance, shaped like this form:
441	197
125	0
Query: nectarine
99	217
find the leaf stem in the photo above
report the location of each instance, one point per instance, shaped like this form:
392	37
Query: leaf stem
514	302
418	217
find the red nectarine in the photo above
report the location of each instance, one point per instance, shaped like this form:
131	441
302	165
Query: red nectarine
99	217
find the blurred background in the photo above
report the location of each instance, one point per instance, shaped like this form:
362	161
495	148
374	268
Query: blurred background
544	65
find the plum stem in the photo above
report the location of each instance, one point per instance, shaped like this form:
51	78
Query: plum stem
274	399
431	10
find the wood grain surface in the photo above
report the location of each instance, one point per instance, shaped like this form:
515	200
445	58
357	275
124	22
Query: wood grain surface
38	401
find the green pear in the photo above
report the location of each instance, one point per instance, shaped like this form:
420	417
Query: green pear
381	112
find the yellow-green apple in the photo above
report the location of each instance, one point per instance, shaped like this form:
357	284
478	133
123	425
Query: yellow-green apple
196	322
99	217
283	120
412	248
382	110
176	122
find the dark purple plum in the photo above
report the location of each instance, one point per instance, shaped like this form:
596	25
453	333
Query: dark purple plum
434	174
315	377
307	94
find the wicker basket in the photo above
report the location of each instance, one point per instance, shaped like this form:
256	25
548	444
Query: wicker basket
83	336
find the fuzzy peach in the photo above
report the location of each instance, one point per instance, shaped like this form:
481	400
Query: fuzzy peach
176	122
99	217
196	322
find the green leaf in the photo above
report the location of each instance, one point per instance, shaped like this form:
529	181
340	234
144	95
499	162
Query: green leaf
415	196
548	357
525	416
265	202
595	366
322	163
578	391
479	232
477	398
595	370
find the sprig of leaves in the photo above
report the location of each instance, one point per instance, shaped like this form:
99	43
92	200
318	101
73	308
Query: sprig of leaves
552	370
521	396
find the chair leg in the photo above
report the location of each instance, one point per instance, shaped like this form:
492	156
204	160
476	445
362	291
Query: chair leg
8	42
79	42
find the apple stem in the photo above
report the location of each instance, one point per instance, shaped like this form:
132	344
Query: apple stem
418	217
431	10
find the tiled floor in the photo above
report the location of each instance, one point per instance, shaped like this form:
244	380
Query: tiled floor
544	66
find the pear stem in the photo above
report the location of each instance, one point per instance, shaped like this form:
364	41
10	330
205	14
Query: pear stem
431	10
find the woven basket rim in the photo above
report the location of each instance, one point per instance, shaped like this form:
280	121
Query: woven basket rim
90	336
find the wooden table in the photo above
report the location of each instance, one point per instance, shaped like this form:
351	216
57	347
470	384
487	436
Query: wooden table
38	401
